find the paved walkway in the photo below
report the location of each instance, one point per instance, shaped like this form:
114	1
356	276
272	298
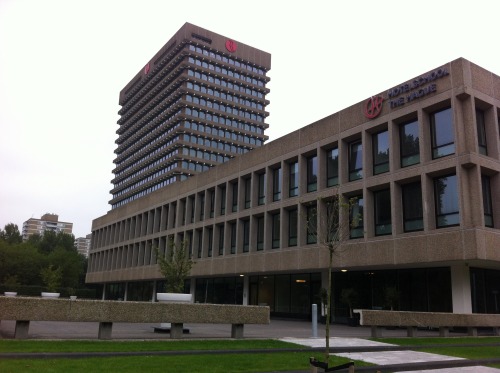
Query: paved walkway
389	358
299	332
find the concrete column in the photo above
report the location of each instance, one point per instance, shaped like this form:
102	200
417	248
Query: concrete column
153	296
176	330
246	290
22	329
125	296
237	331
192	288
105	329
460	289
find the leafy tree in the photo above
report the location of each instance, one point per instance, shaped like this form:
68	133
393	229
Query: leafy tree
51	277
21	260
51	240
175	266
25	260
11	234
335	221
71	264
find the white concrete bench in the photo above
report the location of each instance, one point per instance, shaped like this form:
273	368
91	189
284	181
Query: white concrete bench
26	309
441	320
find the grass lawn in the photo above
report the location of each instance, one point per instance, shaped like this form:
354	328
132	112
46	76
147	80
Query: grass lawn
208	362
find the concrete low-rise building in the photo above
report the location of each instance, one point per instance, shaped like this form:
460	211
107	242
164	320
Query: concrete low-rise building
422	160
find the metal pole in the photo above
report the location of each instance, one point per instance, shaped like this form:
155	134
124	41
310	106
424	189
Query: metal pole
315	320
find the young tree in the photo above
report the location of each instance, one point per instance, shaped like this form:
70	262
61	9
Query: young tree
175	266
51	277
331	231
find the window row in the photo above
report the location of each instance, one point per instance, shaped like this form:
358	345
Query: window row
144	192
371	213
228	60
146	180
206	115
224	120
196	74
217	144
145	127
232	74
224	96
146	168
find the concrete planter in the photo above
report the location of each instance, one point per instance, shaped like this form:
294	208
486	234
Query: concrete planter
46	294
174	297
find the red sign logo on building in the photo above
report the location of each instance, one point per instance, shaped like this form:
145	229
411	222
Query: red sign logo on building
146	69
373	107
231	45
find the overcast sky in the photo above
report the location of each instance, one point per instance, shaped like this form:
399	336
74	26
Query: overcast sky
64	62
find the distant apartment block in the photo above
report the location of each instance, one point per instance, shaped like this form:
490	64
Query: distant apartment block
82	245
48	222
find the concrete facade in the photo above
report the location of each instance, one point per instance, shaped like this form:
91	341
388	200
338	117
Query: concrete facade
451	162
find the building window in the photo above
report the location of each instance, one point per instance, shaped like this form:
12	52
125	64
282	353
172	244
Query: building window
202	206
356	217
312	224
312	174
292	227
221	240
275	230
446	195
200	243
260	233
235	197
233	237
380	152
248	192
210	239
413	213
277	184
246	236
355	160
481	132
212	203
262	189
332	167
409	142
192	208
223	200
442	133
382	199
294	179
487	202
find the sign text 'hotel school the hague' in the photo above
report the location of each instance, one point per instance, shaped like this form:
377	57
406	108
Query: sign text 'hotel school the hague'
405	93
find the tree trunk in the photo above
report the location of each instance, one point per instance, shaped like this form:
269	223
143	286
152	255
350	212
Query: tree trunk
328	307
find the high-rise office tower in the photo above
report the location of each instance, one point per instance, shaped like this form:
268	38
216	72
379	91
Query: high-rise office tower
200	101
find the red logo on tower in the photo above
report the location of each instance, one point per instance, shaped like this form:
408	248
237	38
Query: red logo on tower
373	107
146	69
231	45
